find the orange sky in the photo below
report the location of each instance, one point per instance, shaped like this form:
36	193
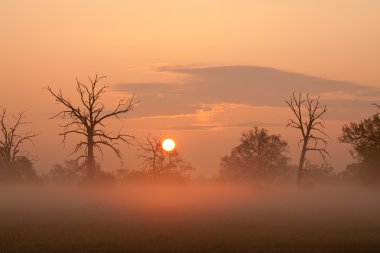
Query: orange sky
53	42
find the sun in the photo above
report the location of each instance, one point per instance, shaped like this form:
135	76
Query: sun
168	145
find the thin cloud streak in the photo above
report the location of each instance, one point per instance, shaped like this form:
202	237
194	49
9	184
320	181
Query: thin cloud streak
203	89
218	127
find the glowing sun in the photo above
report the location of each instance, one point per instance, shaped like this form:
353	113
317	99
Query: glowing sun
168	145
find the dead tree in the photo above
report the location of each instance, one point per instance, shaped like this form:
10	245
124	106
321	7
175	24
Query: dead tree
309	121
87	120
12	137
161	163
152	153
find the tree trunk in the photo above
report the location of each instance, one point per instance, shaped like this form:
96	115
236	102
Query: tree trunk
301	163
7	155
91	168
170	160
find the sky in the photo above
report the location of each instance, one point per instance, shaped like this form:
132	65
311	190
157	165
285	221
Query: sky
202	70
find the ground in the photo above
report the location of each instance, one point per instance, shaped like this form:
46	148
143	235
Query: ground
184	219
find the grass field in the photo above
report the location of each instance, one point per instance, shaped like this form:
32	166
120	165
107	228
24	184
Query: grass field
188	219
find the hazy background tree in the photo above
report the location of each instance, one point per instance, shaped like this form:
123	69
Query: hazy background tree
70	170
319	174
159	163
15	163
88	121
259	156
309	121
364	138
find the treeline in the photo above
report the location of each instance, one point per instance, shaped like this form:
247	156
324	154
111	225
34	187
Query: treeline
263	156
88	121
260	156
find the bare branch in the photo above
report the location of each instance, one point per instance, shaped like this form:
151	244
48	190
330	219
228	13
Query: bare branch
309	120
12	137
86	120
123	106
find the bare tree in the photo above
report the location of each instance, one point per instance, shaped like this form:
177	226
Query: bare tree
160	163
87	120
12	137
309	121
152	153
14	163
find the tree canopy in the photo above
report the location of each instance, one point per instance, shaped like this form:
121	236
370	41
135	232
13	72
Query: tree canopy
259	155
364	138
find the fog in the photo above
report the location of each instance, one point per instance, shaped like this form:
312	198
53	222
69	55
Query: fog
207	217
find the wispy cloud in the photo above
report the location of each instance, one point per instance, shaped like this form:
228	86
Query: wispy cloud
218	127
207	91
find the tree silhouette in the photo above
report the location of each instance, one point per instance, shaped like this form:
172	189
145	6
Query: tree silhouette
323	173
378	106
258	156
13	161
158	162
71	170
309	121
152	153
364	138
87	120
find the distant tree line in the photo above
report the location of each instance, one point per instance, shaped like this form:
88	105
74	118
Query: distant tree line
260	156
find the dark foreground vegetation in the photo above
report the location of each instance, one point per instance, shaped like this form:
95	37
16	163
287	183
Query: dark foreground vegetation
188	219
